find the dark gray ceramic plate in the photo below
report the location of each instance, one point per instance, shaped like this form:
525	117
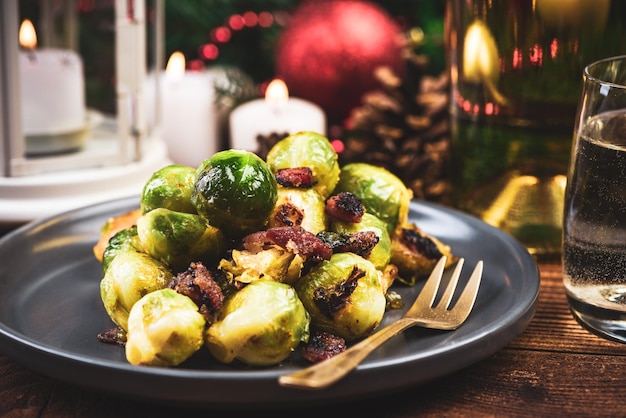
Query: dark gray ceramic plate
50	314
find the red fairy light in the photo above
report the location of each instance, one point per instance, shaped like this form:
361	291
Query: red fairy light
221	34
236	22
338	145
196	65
250	19
209	51
266	19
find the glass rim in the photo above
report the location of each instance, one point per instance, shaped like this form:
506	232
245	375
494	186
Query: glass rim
591	66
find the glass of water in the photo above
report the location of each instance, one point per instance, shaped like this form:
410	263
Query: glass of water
594	220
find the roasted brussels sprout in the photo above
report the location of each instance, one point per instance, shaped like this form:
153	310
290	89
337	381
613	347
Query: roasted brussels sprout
415	253
170	188
123	240
130	275
383	194
344	296
259	325
164	329
112	226
177	238
299	207
235	191
307	149
381	254
273	263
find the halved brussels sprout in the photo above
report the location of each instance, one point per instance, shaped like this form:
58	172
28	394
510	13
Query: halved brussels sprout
177	238
259	325
123	240
381	254
235	191
273	263
299	207
383	194
344	296
164	329
170	188
307	149
130	275
415	253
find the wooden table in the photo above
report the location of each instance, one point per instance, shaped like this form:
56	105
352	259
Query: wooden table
554	368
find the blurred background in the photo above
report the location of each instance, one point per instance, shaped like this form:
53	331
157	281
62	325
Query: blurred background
242	33
328	51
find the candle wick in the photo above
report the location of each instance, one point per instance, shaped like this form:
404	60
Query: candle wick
175	82
278	105
66	60
30	53
277	109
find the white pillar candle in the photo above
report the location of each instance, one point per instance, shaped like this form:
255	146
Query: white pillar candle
188	113
277	113
52	88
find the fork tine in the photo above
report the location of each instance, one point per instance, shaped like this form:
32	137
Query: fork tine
429	291
454	279
421	313
468	297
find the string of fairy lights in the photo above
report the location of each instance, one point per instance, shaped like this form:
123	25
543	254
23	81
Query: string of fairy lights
222	35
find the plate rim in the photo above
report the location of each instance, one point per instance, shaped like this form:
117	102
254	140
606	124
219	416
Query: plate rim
36	356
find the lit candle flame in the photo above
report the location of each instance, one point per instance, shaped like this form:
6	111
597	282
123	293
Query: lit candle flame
175	68
27	35
277	95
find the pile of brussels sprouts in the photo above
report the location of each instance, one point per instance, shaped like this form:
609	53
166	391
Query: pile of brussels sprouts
269	295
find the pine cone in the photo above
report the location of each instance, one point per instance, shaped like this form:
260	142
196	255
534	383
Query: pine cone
404	127
266	142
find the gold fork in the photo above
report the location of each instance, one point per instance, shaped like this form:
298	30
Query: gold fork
422	313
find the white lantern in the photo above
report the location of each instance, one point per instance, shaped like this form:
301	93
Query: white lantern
60	148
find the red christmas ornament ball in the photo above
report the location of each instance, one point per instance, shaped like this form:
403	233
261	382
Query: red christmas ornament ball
330	49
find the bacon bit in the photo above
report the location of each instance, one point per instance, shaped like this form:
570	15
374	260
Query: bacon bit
345	207
113	336
256	241
198	284
361	243
300	177
322	346
301	241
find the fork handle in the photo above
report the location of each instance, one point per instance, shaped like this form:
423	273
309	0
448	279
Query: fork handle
327	372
